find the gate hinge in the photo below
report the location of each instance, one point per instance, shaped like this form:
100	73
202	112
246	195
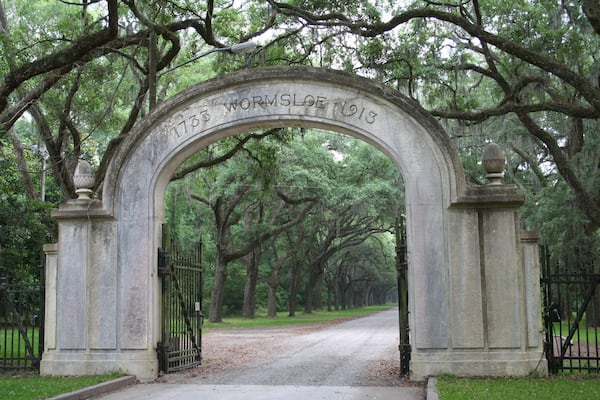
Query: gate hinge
163	263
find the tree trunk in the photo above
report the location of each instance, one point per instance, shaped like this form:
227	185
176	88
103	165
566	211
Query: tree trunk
215	313
22	165
366	295
318	292
330	293
252	261
350	292
249	308
337	291
308	303
295	272
593	309
311	287
272	285
292	302
272	301
343	291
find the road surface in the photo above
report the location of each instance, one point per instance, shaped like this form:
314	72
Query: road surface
336	362
339	355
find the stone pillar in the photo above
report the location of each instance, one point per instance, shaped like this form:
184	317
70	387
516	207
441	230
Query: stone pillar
493	279
82	296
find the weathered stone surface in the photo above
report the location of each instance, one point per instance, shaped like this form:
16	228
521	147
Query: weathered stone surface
501	266
102	287
466	280
531	265
71	285
50	320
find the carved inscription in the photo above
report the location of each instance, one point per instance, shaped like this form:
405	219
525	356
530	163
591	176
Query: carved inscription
341	109
192	121
348	109
183	124
278	100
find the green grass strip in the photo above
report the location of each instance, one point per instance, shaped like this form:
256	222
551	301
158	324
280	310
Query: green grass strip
34	387
555	388
282	318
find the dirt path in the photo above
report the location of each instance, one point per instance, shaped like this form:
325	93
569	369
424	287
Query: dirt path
358	352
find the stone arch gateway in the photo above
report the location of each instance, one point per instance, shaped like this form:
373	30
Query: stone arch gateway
474	288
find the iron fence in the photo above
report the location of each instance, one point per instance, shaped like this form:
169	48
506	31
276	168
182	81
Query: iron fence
571	318
21	322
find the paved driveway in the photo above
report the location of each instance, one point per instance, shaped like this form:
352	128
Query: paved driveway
330	363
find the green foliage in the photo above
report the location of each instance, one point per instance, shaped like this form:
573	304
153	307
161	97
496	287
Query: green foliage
25	226
234	290
464	81
338	173
554	212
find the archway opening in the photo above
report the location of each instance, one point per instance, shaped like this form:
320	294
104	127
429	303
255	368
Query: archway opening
293	221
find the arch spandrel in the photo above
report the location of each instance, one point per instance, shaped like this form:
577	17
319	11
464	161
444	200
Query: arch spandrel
290	96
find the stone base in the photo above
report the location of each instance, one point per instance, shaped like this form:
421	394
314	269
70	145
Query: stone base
142	364
501	363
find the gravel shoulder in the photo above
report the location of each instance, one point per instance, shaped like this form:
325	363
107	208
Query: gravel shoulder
358	352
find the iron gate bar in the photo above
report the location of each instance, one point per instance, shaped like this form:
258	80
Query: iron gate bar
181	275
402	287
184	309
563	353
575	327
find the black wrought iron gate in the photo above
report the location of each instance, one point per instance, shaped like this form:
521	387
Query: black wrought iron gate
402	278
571	318
181	277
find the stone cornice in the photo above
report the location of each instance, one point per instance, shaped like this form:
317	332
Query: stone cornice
491	196
82	209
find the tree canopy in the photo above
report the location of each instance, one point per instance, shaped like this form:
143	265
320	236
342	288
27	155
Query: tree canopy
295	203
77	76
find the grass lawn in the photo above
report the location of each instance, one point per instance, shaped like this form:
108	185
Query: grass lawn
554	388
33	387
583	334
300	318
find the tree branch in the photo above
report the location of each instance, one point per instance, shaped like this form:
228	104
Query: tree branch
572	110
80	48
584	201
532	164
182	173
542	61
591	9
270	233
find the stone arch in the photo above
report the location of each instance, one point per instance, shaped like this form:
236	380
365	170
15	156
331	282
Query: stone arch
459	311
